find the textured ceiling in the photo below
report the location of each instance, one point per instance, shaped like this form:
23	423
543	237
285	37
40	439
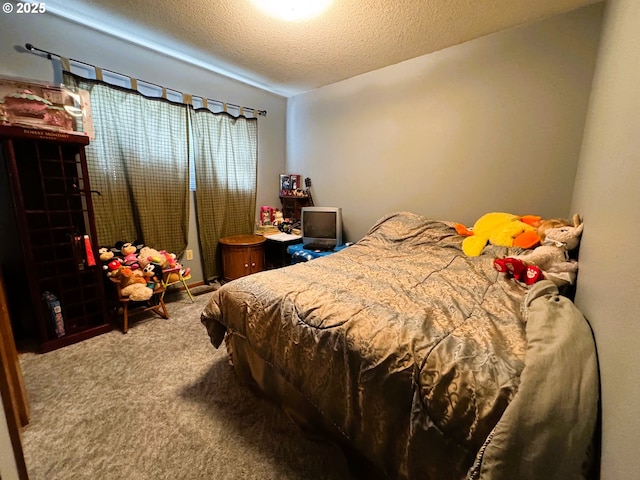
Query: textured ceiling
352	37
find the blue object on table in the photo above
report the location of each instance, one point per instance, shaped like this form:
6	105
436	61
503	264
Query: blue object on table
299	254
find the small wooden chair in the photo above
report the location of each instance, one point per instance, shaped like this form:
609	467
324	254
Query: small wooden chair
155	304
168	279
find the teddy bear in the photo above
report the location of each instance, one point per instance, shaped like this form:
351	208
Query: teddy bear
549	260
132	282
149	255
137	292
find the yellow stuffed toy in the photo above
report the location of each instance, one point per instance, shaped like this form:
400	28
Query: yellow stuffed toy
500	229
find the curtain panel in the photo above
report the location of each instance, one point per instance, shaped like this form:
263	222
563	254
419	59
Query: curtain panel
225	152
139	162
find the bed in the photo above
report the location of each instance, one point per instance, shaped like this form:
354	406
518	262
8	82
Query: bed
421	362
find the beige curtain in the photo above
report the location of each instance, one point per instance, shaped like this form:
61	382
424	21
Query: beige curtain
139	162
225	158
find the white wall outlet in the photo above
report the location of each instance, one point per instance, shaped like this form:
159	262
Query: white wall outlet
189	254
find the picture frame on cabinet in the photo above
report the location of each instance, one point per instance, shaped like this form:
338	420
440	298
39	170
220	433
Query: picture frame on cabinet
285	185
294	181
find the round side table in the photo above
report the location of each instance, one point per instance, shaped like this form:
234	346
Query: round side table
242	255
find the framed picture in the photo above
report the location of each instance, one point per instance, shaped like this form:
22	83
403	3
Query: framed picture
285	184
294	181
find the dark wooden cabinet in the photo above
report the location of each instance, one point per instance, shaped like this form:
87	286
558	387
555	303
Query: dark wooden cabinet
275	252
242	255
293	204
46	176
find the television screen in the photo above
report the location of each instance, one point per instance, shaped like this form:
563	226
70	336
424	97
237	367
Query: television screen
321	227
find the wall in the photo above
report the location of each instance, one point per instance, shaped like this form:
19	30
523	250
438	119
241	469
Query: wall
492	124
607	194
54	34
8	467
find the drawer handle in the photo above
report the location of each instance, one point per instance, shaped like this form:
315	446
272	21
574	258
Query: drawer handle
253	264
246	265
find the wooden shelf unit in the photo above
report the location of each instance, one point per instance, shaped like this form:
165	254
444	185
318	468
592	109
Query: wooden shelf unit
293	204
53	210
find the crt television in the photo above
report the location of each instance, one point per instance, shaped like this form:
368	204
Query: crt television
321	227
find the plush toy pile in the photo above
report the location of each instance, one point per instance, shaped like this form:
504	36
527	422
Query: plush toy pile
506	230
138	268
548	242
550	260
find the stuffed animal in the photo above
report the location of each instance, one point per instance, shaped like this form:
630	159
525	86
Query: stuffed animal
105	254
149	255
549	260
124	274
132	283
112	266
545	225
278	218
149	274
128	249
153	273
169	259
506	230
137	292
131	260
501	229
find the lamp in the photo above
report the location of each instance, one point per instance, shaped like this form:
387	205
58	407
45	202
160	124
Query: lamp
292	10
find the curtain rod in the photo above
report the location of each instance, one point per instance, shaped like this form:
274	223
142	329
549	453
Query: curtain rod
32	48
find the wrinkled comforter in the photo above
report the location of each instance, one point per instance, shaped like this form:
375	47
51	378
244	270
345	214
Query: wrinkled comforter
415	353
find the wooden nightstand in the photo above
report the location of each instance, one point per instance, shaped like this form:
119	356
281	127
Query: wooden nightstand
242	255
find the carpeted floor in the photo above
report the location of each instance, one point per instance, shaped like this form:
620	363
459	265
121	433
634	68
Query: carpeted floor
159	403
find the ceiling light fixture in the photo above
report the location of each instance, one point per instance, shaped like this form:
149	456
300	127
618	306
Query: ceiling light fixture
293	10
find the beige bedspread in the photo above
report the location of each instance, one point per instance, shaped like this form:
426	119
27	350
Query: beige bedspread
409	348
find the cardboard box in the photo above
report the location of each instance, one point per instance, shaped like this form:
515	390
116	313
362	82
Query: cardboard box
55	310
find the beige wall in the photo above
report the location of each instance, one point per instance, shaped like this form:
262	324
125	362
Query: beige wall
607	193
8	467
492	124
75	41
